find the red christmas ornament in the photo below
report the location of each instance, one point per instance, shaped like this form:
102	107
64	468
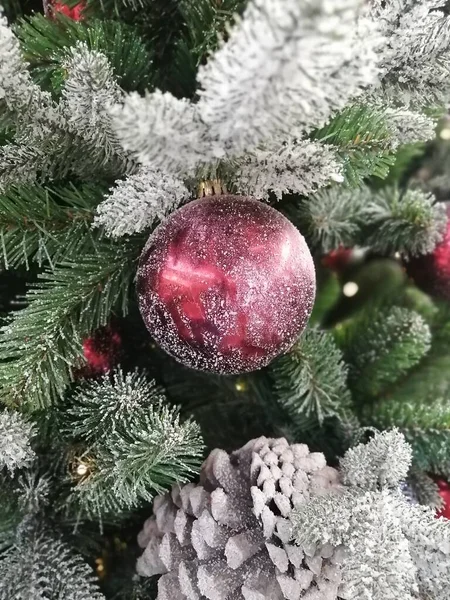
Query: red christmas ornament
75	12
444	493
431	272
338	259
102	351
226	284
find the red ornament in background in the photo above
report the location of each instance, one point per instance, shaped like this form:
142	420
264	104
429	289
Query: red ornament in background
431	272
102	351
226	284
444	493
338	260
75	12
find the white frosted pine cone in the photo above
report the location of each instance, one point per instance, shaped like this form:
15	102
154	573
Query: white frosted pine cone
228	538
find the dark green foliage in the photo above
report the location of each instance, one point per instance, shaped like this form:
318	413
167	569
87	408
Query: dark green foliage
382	346
408	222
205	24
47	225
418	403
45	43
431	449
328	293
388	220
364	140
40	346
331	218
10	513
137	444
310	381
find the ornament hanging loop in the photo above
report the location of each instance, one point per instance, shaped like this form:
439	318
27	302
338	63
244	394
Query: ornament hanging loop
211	187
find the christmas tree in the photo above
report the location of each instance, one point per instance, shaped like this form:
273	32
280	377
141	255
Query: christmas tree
225	286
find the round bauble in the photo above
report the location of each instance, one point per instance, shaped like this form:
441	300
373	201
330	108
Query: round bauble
226	284
102	351
431	272
444	493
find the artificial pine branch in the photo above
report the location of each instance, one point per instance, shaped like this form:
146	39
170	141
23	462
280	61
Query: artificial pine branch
330	218
137	202
425	488
138	443
310	380
269	51
380	347
301	167
89	89
42	566
44	43
387	220
391	550
206	24
47	225
42	343
418	404
363	140
415	62
409	222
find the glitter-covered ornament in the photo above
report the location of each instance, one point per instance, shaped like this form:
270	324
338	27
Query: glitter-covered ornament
226	284
338	260
102	351
431	272
73	12
228	538
444	493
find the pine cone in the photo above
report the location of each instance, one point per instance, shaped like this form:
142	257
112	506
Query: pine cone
229	537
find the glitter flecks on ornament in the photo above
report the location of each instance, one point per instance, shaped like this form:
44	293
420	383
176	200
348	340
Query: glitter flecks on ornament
226	284
229	537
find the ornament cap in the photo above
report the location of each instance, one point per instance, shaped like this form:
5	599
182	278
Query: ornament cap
211	187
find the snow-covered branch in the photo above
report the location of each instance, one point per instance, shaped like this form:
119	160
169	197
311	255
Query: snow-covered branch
284	69
300	167
135	203
89	90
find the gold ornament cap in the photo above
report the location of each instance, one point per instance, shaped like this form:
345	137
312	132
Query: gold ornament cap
211	187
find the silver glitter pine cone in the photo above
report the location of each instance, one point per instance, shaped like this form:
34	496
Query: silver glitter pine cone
228	538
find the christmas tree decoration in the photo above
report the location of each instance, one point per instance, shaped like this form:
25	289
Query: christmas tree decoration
229	536
73	12
226	284
444	493
338	260
431	272
102	351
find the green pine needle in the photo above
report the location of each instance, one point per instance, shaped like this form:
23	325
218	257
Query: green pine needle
363	139
47	225
139	445
408	222
310	381
101	408
41	345
382	346
45	43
